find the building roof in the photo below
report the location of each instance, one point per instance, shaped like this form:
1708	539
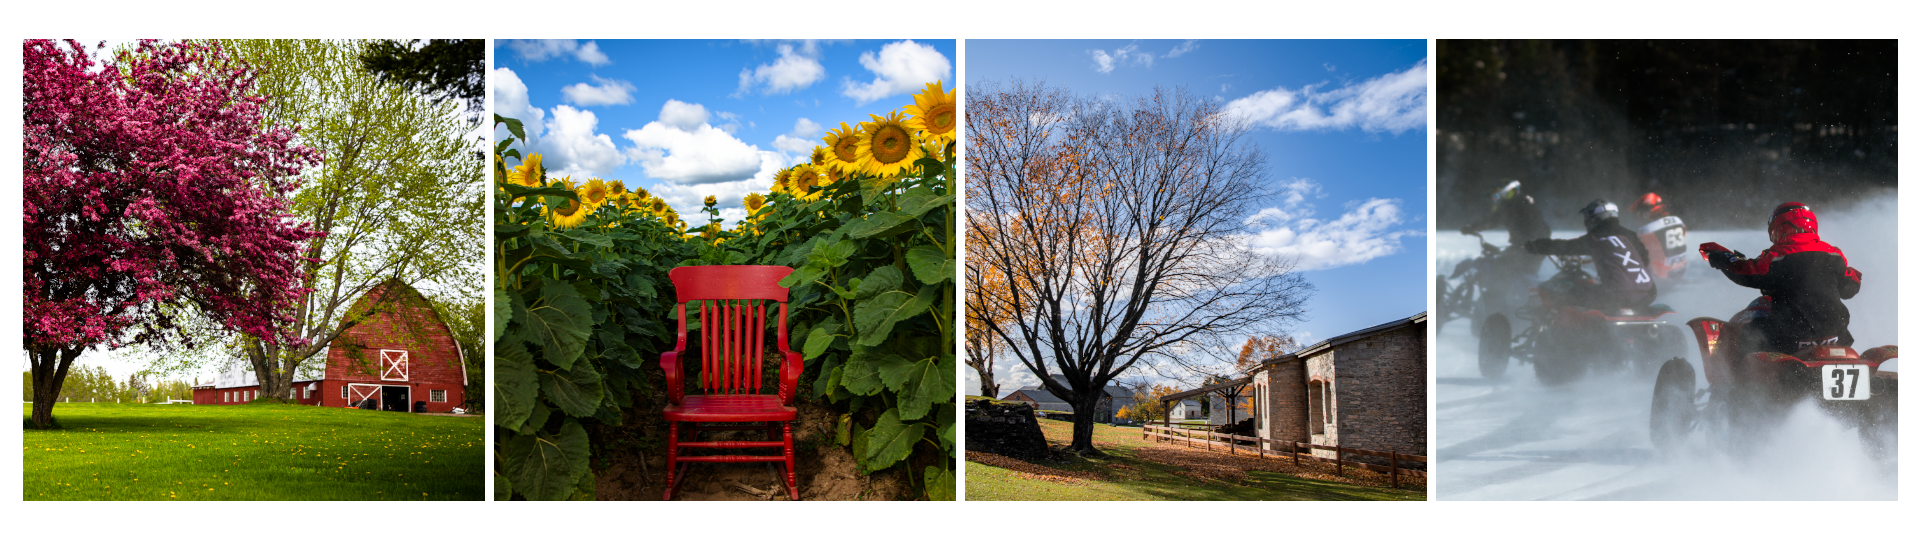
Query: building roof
1350	337
239	374
1040	393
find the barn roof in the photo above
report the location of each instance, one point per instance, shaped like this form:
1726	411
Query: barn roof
407	293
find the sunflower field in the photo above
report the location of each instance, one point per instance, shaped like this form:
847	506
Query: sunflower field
582	303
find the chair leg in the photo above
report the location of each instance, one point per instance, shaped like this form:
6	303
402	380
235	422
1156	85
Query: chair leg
673	458
793	483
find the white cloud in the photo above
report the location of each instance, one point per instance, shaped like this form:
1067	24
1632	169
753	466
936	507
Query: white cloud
1368	230
510	100
682	148
682	115
1394	102
573	148
806	135
1105	62
1184	48
795	69
689	198
1102	62
901	67
608	92
541	50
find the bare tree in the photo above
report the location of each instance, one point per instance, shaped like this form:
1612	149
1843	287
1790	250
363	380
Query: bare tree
1119	228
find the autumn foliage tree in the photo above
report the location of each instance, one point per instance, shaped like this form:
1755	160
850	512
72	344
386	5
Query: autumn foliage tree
154	202
1119	227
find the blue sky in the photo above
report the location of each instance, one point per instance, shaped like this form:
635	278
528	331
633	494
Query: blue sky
686	119
1343	124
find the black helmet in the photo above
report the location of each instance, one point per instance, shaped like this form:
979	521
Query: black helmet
1599	210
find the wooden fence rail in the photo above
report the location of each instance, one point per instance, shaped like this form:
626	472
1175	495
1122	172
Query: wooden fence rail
1161	431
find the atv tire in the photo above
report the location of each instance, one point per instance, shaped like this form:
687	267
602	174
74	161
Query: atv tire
1496	345
1673	410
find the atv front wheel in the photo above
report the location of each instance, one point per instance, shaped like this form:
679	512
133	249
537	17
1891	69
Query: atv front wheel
1496	344
1673	409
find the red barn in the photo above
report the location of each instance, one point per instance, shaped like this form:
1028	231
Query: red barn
401	355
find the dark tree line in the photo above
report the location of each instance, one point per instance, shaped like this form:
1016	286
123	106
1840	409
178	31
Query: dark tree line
1701	122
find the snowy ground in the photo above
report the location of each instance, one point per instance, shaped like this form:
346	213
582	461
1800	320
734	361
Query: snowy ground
1519	440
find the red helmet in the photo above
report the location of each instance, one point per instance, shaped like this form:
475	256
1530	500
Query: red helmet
1791	217
1649	206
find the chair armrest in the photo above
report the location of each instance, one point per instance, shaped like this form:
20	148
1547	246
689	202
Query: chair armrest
676	385
790	376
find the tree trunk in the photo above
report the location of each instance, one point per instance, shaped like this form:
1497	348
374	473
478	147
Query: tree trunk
1083	411
275	375
987	388
49	373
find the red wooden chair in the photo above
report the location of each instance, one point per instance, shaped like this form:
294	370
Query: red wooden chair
732	303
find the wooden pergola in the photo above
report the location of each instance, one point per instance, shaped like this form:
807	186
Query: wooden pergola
1167	416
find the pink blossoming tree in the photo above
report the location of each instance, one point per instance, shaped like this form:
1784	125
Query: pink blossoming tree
155	201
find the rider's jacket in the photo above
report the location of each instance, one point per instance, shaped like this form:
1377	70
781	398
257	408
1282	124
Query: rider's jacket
1618	256
1807	279
1521	219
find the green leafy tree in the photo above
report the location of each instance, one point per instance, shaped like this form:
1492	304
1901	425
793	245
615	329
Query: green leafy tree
396	193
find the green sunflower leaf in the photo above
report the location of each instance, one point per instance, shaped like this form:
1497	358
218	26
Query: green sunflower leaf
882	279
818	340
874	318
559	323
939	484
547	466
576	391
514	385
929	264
875	224
890	441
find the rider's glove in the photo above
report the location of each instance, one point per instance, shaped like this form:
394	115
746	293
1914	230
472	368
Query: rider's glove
1719	257
1538	245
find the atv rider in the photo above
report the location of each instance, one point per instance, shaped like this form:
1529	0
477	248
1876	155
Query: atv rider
1805	278
1515	212
1618	257
1664	235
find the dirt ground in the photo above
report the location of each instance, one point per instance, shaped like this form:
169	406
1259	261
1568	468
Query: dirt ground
630	464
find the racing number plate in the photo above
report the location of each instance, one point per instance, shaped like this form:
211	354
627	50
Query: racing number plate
1845	382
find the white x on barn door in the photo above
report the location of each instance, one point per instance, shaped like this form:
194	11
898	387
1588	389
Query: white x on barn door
393	365
362	392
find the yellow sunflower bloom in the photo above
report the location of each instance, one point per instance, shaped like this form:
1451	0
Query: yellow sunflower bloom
569	215
804	180
617	187
843	148
711	200
595	194
528	173
819	157
888	148
783	182
754	202
933	113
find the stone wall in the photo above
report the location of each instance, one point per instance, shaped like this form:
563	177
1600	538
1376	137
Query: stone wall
1281	392
1379	392
1005	428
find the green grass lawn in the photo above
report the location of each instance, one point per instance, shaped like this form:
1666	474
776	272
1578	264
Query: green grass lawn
112	451
1136	470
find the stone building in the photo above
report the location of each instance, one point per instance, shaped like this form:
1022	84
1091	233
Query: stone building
1364	390
1116	398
